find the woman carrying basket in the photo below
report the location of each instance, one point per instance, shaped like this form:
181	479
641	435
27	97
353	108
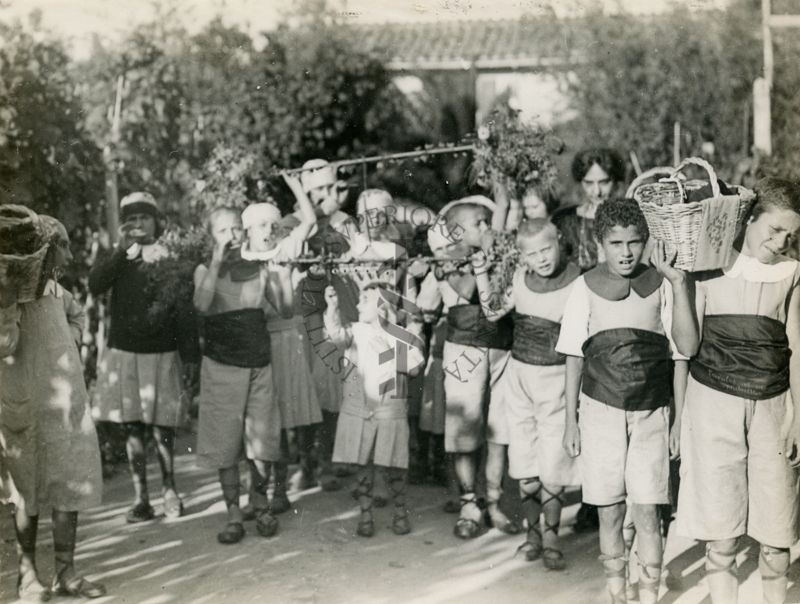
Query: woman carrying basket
49	457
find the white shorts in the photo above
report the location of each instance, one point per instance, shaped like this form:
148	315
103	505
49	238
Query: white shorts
734	475
624	454
471	375
535	411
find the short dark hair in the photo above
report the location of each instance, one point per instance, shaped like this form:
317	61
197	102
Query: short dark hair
619	212
608	159
547	194
778	193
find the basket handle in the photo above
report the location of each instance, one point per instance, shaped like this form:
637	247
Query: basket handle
645	175
697	161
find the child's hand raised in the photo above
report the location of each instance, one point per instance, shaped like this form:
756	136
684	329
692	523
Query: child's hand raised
479	262
663	261
293	182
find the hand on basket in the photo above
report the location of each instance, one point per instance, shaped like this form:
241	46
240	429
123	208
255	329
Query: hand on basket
663	260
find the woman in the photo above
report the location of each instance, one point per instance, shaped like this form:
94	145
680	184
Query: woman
49	457
599	171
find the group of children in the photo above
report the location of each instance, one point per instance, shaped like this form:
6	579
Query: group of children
594	378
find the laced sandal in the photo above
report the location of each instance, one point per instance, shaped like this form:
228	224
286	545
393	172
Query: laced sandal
615	567
140	512
232	533
467	528
363	493
77	587
400	523
649	580
553	559
173	506
266	524
532	548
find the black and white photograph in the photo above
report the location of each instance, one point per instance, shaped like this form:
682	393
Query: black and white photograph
400	301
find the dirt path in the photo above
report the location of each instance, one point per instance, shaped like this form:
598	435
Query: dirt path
317	558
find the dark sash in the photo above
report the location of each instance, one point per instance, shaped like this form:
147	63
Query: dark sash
628	368
467	325
535	340
743	355
238	337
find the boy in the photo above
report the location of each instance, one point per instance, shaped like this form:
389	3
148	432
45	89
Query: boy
534	381
620	322
475	354
238	410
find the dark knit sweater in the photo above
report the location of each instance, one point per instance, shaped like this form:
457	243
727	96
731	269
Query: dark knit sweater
134	328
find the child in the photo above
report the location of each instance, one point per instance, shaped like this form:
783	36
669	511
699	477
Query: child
534	379
373	424
474	357
619	324
139	373
238	410
740	435
49	456
291	349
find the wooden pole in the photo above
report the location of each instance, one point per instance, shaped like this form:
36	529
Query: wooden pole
676	144
112	188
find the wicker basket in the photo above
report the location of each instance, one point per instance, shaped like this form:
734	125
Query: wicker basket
702	232
24	270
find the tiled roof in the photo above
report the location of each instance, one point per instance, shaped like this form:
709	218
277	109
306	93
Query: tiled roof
523	42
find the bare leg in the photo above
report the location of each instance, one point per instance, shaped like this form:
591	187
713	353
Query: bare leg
165	446
28	584
773	563
530	493
266	523
629	536
137	460
65	580
495	470
723	584
612	550
650	550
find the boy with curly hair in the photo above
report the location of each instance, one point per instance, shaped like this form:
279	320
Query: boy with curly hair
623	324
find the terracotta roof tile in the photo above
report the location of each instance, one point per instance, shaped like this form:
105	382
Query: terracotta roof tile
526	39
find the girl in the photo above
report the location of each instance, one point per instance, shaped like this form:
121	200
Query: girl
49	456
291	347
740	436
373	424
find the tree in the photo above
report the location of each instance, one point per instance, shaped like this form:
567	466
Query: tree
48	160
642	75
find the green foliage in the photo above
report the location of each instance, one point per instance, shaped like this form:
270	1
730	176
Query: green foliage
642	75
226	180
522	153
47	159
171	277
